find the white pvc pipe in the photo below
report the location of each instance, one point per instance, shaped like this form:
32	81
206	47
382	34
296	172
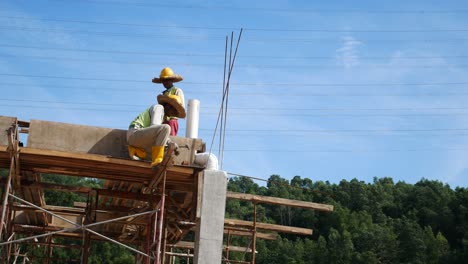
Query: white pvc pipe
209	160
193	116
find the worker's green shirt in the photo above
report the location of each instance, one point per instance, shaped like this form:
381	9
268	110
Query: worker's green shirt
142	120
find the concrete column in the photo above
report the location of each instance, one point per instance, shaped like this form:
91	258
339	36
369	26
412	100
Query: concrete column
210	221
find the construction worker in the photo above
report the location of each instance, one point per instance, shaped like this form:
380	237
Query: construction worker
147	129
168	78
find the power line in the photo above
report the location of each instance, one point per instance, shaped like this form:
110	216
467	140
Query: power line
295	94
193	37
219	55
115	23
450	135
201	27
279	183
244	66
464	148
93	88
103	33
349	130
318	30
250	109
169	54
248	84
399	115
68	59
267	130
281	10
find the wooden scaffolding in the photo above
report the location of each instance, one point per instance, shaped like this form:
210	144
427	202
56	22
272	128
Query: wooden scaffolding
147	211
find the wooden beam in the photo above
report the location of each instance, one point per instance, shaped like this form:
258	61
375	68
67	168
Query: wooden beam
279	201
83	156
53	245
82	189
51	208
265	236
191	245
271	227
57	187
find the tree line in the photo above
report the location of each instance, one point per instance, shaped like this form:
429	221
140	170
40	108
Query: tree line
378	222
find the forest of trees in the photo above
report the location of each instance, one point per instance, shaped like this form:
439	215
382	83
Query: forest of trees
378	222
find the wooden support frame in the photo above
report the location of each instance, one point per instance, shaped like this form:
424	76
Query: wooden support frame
6	232
254	226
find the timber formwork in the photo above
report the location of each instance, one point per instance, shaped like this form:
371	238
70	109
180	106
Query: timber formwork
149	212
139	208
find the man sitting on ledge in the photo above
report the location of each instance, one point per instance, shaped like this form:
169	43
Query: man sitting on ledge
147	129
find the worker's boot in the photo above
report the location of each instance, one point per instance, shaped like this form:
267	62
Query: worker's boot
136	153
157	155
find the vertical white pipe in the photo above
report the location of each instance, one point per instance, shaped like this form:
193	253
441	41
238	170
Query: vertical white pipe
193	116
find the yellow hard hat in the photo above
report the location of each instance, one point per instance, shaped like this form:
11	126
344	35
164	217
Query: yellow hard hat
167	74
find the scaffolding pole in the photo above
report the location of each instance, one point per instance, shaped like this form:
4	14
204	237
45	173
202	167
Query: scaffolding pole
5	217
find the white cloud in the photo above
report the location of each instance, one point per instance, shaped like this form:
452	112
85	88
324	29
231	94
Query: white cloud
347	55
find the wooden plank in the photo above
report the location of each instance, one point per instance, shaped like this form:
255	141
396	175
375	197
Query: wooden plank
265	236
83	159
95	166
80	189
82	156
279	201
191	245
271	227
4	157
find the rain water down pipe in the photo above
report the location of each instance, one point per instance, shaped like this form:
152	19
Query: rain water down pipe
193	116
209	160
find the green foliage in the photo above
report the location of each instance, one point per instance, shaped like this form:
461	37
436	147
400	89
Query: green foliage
379	222
61	198
109	253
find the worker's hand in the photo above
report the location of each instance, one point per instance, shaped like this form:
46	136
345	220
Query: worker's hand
169	141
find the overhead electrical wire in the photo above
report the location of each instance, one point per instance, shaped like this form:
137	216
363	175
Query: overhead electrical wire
121	34
296	94
115	34
271	9
222	115
247	84
463	148
204	55
251	109
227	28
279	183
170	54
276	66
110	110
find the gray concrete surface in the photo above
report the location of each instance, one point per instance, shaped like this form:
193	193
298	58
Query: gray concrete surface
210	223
97	140
5	123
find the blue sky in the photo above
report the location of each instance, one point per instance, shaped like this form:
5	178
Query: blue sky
323	90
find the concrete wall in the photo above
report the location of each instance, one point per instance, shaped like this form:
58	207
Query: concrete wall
5	123
97	140
210	221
